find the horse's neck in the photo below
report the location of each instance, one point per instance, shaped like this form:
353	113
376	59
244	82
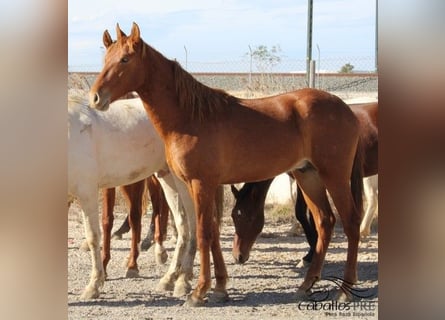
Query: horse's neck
159	95
262	188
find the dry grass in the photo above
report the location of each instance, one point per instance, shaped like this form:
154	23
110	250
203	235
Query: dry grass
279	213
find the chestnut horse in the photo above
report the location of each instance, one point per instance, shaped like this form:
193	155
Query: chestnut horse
158	225
213	138
118	148
134	194
248	211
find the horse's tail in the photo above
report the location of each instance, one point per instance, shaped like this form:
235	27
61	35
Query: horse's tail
219	200
357	178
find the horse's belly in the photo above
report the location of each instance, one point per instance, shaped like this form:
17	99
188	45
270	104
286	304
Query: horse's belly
118	174
259	164
129	166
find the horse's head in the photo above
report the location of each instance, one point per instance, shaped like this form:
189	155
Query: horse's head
122	70
248	217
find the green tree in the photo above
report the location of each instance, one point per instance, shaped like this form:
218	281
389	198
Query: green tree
265	59
347	68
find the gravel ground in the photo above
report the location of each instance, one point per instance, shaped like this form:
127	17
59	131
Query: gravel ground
263	288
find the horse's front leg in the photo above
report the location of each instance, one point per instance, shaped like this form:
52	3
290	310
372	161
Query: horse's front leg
220	292
314	194
92	235
204	198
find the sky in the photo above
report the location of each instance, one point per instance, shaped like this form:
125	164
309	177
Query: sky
223	30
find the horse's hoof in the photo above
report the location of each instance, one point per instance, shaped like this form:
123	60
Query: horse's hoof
220	296
364	236
132	273
89	293
116	236
84	246
146	244
303	295
164	286
161	257
191	301
303	264
181	289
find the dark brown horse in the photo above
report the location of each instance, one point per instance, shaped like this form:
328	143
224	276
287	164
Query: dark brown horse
213	138
248	212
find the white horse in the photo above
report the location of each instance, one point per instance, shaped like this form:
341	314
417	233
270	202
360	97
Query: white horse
370	192
370	197
120	147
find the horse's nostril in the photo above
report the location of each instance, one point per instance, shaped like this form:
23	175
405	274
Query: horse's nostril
96	98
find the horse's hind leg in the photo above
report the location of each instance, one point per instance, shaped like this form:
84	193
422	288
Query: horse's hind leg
135	193
307	222
350	216
314	193
187	209
161	222
109	197
370	185
148	240
159	218
167	282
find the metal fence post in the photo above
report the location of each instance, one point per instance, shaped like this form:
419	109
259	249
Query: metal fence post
312	74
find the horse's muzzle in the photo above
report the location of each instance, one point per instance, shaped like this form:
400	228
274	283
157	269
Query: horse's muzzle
240	259
99	102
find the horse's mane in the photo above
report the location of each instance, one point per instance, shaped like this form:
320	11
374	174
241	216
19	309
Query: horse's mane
260	188
246	189
196	98
77	97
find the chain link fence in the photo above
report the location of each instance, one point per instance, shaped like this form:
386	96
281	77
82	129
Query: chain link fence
245	80
285	65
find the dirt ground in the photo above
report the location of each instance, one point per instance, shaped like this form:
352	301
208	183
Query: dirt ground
263	288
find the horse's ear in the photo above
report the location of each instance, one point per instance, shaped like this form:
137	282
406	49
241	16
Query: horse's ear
107	39
119	32
135	35
234	190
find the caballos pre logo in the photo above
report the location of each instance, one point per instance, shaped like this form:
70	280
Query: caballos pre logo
337	306
323	299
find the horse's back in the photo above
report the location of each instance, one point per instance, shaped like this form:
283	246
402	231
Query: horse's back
123	144
368	110
289	129
367	115
129	148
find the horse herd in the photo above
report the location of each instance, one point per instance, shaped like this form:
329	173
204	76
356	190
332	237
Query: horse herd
196	139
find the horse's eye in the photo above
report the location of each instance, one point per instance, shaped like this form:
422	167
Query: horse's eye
238	212
124	60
